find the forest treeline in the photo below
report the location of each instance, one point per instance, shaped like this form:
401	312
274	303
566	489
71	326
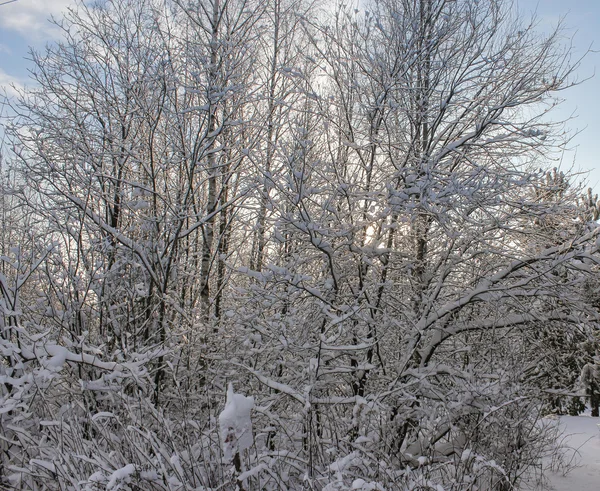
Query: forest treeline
351	214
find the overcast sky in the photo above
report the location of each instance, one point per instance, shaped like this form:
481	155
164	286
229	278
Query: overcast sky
25	23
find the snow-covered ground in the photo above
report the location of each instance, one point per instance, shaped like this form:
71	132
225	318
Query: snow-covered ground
582	434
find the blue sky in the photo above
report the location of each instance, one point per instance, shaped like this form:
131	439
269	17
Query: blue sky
582	20
24	23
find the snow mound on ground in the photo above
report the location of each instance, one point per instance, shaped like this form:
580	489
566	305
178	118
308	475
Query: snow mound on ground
235	423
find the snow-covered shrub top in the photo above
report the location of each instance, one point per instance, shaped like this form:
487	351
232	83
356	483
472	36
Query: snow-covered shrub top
235	423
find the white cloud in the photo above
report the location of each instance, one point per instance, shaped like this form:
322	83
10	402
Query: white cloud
30	17
9	85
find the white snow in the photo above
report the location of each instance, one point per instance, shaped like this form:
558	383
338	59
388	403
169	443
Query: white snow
362	485
59	356
103	414
235	423
97	477
583	436
120	475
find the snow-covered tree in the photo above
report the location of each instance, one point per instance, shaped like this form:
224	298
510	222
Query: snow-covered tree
344	214
422	262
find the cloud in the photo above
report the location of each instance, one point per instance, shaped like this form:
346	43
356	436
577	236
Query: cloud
29	18
9	85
